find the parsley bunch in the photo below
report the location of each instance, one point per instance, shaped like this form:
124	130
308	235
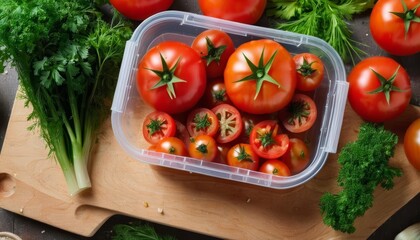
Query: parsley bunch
364	166
67	58
326	19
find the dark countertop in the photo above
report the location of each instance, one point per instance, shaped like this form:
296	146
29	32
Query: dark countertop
30	229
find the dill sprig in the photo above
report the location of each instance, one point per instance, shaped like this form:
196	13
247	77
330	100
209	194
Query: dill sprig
326	19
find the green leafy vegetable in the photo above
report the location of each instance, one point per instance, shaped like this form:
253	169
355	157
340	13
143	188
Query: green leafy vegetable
326	19
67	58
364	166
137	231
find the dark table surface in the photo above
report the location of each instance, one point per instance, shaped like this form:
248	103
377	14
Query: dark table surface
29	229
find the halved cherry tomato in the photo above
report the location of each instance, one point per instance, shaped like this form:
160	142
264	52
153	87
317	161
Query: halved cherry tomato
202	121
215	93
310	71
171	145
241	155
300	114
297	156
203	147
230	123
266	141
158	125
215	47
275	167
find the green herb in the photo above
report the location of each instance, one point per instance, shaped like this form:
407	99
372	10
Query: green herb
364	166
326	19
137	231
67	58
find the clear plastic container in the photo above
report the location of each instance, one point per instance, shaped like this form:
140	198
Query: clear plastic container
128	110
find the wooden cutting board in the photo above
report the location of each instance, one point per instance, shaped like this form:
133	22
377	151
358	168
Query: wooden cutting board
31	184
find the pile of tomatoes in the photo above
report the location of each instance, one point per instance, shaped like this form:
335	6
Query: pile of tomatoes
232	105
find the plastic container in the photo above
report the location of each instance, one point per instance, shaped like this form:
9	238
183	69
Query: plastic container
128	110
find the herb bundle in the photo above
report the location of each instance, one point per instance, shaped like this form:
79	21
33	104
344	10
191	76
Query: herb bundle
67	58
364	166
326	19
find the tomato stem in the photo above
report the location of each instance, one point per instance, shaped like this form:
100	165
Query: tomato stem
202	148
260	73
213	53
167	77
387	85
201	122
408	16
155	126
306	68
243	155
298	109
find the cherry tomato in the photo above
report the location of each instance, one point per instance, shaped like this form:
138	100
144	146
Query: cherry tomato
203	147
202	121
241	155
412	143
171	77
395	26
266	141
260	77
140	9
215	47
244	11
158	125
379	89
300	114
171	145
230	123
275	167
310	71
297	156
215	93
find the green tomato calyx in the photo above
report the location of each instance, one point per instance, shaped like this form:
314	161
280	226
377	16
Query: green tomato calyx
167	77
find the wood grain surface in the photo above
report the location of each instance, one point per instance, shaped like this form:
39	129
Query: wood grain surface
31	184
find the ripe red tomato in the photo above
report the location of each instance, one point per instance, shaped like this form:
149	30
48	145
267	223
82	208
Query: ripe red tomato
266	141
379	89
244	11
241	155
275	167
202	121
157	125
310	71
260	77
171	77
203	147
215	93
300	114
230	123
297	156
140	9
171	145
215	47
395	26
412	143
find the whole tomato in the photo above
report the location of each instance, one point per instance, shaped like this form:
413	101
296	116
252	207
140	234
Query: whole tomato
379	89
260	77
215	47
275	167
297	156
310	69
203	147
215	93
244	11
140	9
171	77
395	26
412	144
241	155
170	145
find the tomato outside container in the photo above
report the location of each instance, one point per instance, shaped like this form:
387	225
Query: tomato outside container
128	109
